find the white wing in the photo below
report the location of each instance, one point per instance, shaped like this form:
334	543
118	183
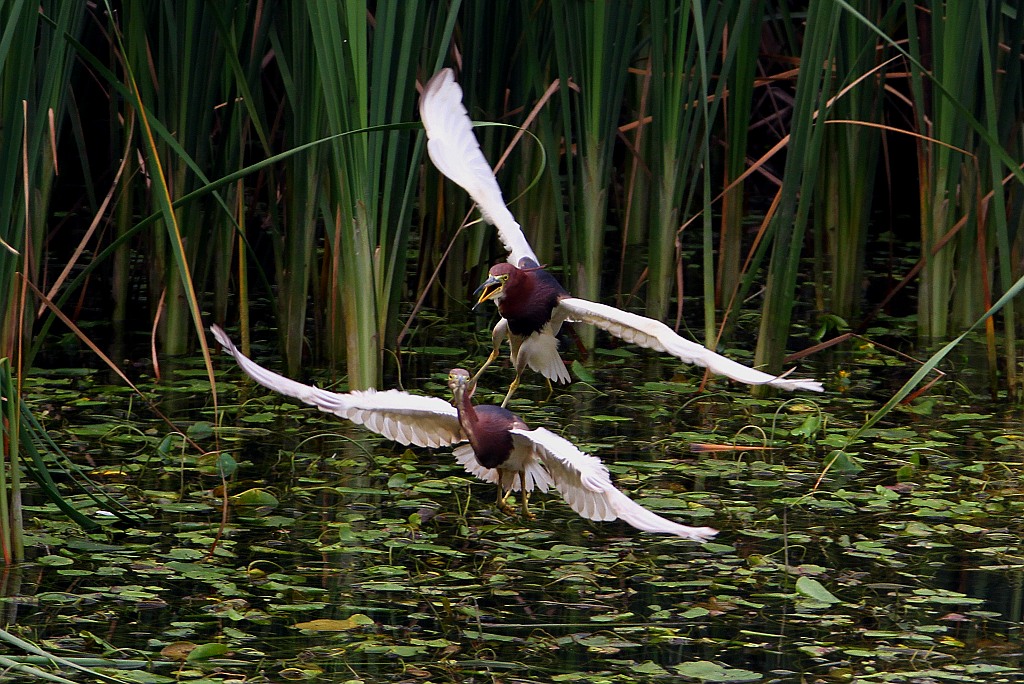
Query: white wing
405	418
584	483
456	153
647	332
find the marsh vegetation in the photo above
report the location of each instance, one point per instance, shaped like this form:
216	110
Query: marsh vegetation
836	187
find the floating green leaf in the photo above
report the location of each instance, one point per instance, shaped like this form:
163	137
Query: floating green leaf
812	588
711	672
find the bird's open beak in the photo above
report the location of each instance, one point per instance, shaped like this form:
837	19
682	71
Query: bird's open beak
488	290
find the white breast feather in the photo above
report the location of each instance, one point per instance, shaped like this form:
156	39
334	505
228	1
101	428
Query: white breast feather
540	352
507	475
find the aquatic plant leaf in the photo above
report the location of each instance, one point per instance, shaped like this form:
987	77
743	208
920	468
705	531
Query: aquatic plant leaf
255	498
438	351
206	651
220	464
262	417
711	672
200	430
808	428
649	668
323	625
812	588
177	650
143	677
842	462
966	416
582	374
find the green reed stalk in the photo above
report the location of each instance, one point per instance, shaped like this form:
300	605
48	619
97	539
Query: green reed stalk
851	154
637	178
293	221
953	57
543	203
744	42
35	66
678	133
187	47
245	40
1001	83
11	532
487	79
593	50
790	221
179	47
370	208
177	247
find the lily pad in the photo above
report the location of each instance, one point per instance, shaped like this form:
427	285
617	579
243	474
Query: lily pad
812	588
706	671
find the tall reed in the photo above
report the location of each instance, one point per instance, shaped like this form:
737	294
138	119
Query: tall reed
35	67
743	41
366	76
794	203
12	545
594	46
647	128
851	157
943	41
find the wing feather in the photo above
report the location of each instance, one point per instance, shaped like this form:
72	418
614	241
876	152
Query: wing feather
584	483
455	151
402	417
647	332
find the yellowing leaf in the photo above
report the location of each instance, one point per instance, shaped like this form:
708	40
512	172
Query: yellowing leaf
323	625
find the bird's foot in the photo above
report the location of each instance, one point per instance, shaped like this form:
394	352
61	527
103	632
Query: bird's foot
551	391
502	502
525	494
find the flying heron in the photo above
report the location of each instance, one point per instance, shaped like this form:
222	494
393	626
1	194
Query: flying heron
532	303
501	448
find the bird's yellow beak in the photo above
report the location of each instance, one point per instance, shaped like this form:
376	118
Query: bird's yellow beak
460	384
490	289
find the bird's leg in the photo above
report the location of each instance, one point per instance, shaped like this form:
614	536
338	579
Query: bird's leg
526	499
503	500
488	362
551	391
497	337
511	389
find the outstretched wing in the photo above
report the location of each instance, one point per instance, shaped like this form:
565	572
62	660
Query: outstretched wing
456	153
647	332
405	418
584	483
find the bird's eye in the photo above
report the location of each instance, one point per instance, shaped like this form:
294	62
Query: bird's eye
503	278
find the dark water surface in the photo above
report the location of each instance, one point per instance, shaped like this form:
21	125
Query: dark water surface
908	570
